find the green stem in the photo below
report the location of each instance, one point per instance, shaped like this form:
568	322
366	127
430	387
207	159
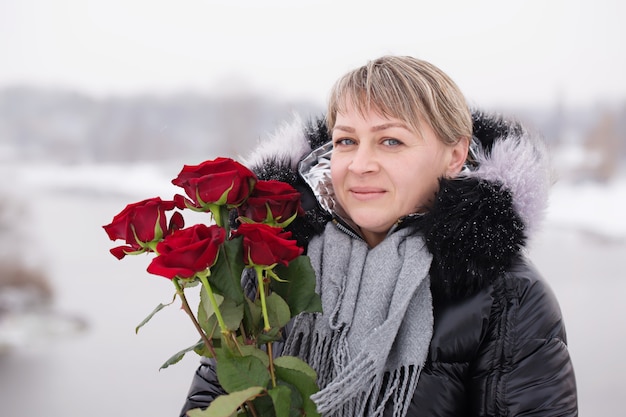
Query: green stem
225	218
181	293
216	212
266	320
216	310
152	246
250	405
270	355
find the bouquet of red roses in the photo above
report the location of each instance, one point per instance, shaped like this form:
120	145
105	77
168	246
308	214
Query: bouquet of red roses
236	328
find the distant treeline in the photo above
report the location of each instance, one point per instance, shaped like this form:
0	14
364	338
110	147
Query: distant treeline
72	127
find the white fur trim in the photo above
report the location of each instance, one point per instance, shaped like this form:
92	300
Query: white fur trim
521	165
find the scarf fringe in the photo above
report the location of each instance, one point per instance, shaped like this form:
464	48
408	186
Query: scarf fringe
359	384
372	397
349	383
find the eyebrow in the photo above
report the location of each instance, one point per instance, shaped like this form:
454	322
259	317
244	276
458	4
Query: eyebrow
376	128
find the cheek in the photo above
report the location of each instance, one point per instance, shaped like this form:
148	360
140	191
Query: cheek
337	170
418	185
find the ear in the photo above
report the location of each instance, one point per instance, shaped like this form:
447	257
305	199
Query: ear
458	157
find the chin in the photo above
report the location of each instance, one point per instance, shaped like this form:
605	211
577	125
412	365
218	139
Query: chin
372	227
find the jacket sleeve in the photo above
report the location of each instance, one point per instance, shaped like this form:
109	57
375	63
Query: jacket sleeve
204	387
528	367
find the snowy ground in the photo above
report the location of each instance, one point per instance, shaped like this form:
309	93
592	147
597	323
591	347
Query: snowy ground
109	370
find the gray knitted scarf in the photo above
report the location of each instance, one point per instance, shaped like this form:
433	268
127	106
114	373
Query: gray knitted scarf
369	345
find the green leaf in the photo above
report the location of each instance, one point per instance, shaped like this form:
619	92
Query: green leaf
272	336
264	406
281	397
252	319
202	350
236	373
206	315
305	385
156	310
250	350
225	275
210	326
232	314
179	355
227	405
295	401
205	302
188	282
298	290
277	310
296	364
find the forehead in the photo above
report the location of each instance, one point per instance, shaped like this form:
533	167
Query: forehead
373	121
352	113
366	106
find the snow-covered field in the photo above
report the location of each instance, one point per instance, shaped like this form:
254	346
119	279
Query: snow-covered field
108	370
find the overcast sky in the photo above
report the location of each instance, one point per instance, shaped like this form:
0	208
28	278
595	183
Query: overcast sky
499	52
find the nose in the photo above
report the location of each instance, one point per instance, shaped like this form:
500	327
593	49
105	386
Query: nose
363	161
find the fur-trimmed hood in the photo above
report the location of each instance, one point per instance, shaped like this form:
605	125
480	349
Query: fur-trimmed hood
480	221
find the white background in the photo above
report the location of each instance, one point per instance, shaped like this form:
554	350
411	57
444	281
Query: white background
500	53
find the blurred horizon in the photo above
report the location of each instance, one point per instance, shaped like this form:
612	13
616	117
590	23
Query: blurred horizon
68	127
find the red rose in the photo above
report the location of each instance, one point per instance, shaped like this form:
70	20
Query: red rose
264	245
142	223
281	198
188	251
221	181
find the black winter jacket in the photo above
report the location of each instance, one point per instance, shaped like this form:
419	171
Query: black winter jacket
499	343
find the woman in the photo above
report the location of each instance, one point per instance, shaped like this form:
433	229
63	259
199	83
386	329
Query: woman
418	212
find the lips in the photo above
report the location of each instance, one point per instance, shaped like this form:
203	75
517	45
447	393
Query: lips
366	193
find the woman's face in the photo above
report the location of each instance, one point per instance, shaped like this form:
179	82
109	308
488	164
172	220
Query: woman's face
381	170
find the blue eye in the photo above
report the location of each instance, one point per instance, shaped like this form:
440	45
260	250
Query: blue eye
344	142
392	142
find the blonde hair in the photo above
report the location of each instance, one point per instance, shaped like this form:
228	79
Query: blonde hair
404	88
